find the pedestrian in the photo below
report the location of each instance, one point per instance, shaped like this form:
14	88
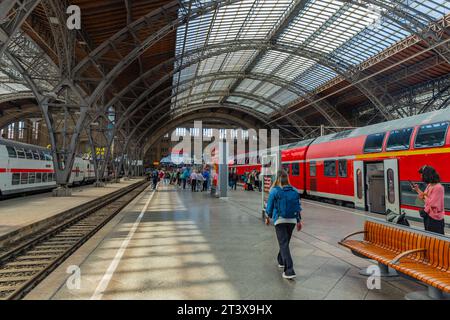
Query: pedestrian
258	182
433	213
251	182
284	208
200	181
233	180
161	176
206	177
193	181
155	178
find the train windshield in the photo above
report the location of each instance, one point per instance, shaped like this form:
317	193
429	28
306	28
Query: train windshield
431	135
399	139
374	143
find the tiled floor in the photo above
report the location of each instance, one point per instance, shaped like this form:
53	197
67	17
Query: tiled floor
193	246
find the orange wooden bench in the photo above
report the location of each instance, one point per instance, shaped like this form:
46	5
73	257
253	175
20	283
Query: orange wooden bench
419	255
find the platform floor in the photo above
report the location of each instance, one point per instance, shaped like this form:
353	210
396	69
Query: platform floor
19	212
173	244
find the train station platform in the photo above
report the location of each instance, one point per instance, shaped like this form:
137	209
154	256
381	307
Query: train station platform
22	212
174	244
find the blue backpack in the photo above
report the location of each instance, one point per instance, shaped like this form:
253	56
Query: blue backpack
288	204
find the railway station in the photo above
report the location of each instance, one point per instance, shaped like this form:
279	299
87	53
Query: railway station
238	150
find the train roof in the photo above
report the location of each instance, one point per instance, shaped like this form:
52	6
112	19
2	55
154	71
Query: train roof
417	120
298	144
16	144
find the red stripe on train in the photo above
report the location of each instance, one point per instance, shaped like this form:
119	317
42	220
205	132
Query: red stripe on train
26	170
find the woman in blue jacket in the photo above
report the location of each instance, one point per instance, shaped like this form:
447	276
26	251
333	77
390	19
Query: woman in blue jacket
284	208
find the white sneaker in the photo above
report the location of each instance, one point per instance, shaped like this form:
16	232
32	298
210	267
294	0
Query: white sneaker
280	266
289	277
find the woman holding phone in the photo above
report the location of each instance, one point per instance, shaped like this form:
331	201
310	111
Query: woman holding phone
433	196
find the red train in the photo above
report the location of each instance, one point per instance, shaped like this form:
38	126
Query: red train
369	167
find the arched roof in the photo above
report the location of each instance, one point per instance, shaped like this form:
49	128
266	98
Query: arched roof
337	30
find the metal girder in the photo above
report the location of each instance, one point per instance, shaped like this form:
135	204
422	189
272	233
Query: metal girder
194	56
190	83
16	96
165	127
253	113
132	30
172	25
272	37
198	108
412	20
64	39
10	24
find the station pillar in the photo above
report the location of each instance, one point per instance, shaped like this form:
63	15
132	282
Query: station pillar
222	191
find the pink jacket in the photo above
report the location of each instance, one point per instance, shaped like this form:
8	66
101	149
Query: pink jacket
434	201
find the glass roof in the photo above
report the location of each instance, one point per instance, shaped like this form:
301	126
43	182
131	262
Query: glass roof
345	32
37	64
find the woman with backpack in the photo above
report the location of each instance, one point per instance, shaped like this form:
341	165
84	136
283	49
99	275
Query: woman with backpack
284	208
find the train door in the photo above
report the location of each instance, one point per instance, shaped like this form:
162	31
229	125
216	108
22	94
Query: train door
358	174
376	194
392	185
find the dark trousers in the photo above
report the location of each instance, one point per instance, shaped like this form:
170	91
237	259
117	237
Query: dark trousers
284	234
194	185
183	181
205	185
432	225
233	185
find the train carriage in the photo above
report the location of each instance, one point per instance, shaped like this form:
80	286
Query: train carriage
27	168
372	167
24	168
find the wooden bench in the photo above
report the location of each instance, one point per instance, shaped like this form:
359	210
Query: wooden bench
416	254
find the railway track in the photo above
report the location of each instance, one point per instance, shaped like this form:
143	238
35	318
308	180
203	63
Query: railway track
25	266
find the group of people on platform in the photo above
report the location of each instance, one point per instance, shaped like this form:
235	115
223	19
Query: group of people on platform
197	179
251	180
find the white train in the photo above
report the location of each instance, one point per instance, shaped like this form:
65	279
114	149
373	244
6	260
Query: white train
25	168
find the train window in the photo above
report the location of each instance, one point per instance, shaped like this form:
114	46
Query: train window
48	156
330	168
11	152
32	178
44	177
38	177
431	135
29	154
20	153
41	155
15	179
23	178
286	167
312	169
374	143
359	184
399	139
36	155
391	186
342	168
295	169
50	177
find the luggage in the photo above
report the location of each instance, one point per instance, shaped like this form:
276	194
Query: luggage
397	218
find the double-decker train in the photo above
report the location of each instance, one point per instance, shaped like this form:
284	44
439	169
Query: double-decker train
26	168
369	167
